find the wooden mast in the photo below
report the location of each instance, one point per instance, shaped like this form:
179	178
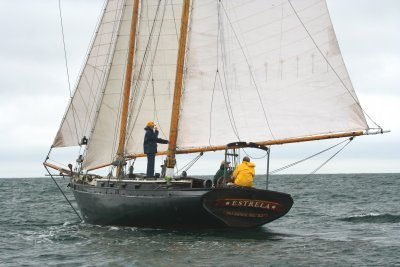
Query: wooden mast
127	86
173	133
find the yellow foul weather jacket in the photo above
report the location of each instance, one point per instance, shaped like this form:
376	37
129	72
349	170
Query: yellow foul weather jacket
244	174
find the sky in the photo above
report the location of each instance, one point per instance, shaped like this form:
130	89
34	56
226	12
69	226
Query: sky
34	86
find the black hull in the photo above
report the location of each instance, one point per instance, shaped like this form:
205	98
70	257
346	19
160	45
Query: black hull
172	208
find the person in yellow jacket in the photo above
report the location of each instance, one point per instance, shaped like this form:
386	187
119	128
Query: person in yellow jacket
244	173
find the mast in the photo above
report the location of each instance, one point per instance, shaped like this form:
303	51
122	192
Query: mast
173	133
127	86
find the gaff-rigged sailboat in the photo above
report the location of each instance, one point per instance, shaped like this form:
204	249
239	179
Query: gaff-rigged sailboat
209	73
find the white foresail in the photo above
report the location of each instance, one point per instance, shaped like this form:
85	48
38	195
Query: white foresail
81	113
154	71
104	138
153	80
253	73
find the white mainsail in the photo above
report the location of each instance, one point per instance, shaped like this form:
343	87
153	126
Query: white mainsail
272	80
255	71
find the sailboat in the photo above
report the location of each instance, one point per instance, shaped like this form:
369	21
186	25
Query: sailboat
214	75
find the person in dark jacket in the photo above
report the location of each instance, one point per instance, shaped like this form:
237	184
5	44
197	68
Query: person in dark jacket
223	169
150	146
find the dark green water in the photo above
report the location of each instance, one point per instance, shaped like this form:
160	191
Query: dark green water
337	220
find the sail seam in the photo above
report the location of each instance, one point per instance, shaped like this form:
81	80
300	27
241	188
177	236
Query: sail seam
251	72
327	61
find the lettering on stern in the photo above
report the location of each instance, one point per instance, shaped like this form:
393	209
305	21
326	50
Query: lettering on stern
246	203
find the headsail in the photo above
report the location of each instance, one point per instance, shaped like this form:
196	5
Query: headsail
82	110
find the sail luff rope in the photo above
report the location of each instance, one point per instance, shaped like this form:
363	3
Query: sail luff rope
251	72
327	61
66	67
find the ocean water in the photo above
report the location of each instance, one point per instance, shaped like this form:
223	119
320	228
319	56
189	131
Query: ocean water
336	220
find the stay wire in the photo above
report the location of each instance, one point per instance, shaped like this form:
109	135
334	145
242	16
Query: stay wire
309	157
62	192
189	164
66	67
324	163
330	65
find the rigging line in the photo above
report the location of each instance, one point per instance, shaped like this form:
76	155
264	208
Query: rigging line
223	58
324	163
108	70
229	109
66	67
309	157
135	96
190	163
86	63
119	114
173	15
154	97
155	116
142	68
250	70
96	68
59	188
215	77
211	105
327	61
266	153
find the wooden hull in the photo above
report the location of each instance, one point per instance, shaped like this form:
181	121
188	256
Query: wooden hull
173	208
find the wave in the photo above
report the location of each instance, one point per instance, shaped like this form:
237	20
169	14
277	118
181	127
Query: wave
372	218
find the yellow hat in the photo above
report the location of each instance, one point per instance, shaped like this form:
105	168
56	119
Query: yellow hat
151	124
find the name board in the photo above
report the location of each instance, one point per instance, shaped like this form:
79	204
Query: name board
259	204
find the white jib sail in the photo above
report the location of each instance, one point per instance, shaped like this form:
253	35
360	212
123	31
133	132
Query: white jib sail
82	111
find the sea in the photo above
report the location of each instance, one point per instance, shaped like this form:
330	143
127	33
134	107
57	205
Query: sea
336	220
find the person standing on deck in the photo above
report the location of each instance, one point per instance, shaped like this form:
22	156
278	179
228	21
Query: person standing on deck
244	173
150	146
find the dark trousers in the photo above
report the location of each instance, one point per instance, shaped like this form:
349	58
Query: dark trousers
150	165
